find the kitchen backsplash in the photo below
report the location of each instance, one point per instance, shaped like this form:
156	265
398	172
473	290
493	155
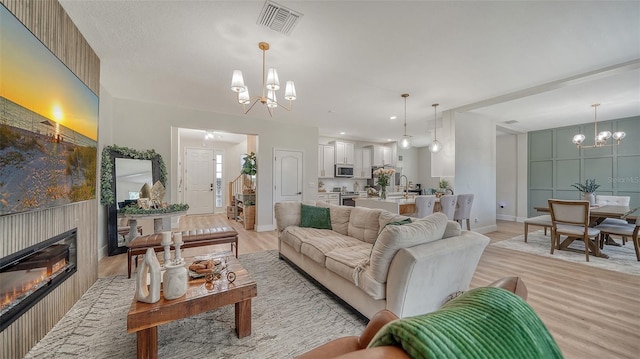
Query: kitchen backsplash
350	184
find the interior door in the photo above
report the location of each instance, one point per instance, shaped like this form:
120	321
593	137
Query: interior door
287	176
199	179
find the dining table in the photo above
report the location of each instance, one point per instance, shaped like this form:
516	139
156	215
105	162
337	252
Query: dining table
598	214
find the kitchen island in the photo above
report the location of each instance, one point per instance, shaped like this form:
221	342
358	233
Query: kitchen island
393	205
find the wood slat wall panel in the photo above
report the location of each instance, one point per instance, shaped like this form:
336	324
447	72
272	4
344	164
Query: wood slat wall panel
49	22
23	230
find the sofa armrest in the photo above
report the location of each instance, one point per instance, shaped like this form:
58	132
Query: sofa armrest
513	284
421	277
384	352
287	214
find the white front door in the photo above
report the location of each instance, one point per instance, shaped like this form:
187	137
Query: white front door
287	176
198	174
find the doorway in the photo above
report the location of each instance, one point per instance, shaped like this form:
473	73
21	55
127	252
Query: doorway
287	173
200	187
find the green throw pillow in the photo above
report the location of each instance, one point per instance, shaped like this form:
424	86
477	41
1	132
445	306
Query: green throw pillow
482	323
315	217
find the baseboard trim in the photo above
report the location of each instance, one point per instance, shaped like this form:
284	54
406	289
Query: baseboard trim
487	229
506	217
265	228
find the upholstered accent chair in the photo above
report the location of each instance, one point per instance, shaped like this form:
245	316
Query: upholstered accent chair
424	205
529	336
463	209
448	205
571	218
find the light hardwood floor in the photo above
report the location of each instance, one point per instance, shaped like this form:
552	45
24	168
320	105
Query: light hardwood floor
591	312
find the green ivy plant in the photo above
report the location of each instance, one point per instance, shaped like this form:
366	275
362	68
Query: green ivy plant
171	208
106	174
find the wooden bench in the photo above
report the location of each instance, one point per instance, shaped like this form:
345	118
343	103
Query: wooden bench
191	238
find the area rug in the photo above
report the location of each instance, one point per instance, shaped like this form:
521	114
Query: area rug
621	259
290	315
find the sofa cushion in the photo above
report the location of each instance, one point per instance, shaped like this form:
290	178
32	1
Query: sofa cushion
363	224
339	217
317	246
453	230
482	323
392	238
294	235
386	217
315	217
342	261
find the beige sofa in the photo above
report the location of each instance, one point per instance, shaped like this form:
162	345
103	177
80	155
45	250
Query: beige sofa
409	269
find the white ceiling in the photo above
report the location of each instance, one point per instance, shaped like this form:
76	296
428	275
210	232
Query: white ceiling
541	63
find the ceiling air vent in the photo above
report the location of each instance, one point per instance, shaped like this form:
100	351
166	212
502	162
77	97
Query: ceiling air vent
278	18
510	122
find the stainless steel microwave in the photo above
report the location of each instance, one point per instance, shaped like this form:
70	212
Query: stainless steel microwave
344	171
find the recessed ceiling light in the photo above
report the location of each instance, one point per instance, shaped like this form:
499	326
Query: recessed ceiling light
343	133
389	140
393	117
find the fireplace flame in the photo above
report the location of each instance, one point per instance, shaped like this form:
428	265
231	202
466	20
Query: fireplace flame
29	281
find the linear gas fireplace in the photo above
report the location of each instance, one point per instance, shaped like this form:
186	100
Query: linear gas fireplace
30	274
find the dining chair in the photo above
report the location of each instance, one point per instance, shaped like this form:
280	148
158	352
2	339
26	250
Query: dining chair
448	205
627	230
541	221
424	205
602	200
463	209
571	219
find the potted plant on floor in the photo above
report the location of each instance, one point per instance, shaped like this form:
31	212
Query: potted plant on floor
249	169
587	190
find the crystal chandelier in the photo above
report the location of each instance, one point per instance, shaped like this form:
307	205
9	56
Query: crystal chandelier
270	84
435	146
600	139
405	140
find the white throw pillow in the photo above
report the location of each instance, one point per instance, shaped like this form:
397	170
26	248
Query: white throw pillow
394	237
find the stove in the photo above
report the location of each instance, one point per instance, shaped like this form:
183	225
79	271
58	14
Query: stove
346	198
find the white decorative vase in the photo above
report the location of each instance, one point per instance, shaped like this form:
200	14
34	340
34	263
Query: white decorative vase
174	280
591	197
148	289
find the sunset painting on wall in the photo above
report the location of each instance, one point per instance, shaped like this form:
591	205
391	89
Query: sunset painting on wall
48	125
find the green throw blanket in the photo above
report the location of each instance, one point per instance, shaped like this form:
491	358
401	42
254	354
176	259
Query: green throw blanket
484	323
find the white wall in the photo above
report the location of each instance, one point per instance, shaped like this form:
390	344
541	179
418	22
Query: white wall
143	126
522	176
424	169
105	138
506	177
475	167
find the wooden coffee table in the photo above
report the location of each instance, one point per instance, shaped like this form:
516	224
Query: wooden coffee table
144	318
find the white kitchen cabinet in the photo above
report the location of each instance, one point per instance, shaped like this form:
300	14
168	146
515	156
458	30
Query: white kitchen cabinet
329	197
362	163
326	156
382	155
344	152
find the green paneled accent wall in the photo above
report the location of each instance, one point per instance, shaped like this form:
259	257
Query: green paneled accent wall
555	163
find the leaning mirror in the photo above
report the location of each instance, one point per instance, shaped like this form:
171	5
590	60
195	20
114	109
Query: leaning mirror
124	171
